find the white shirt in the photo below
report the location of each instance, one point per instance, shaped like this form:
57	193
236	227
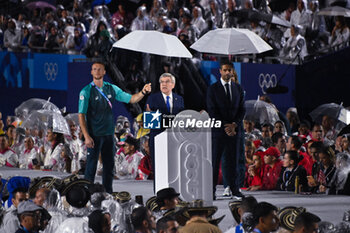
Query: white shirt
229	83
170	100
301	18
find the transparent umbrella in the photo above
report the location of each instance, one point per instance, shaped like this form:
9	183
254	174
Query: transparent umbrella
260	111
333	110
45	119
30	105
73	117
335	11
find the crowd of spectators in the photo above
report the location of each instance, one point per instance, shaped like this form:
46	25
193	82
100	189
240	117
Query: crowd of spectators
33	148
286	155
87	208
77	29
294	155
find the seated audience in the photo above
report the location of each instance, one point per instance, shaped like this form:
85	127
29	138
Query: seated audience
290	171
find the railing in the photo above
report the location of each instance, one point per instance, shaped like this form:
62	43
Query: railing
237	58
43	50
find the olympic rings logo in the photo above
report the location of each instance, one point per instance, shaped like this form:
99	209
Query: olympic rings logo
266	81
51	71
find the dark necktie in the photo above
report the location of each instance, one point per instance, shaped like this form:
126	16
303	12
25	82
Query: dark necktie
228	96
168	103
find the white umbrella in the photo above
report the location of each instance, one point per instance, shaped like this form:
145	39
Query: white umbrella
335	11
277	20
231	41
153	42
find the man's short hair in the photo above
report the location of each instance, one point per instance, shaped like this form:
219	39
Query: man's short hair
306	220
305	123
99	62
19	190
316	125
226	62
162	224
317	145
296	142
270	126
276	136
168	75
138	215
262	209
293	155
248	204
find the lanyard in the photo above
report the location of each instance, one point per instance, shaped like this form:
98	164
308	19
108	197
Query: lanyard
257	230
103	94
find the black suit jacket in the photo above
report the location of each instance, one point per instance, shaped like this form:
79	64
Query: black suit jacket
289	184
156	102
218	106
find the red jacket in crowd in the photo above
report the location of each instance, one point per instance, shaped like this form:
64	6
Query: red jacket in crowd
306	162
254	180
271	175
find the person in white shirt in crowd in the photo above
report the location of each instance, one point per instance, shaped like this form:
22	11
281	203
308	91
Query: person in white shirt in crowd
295	46
156	11
12	36
129	167
228	21
214	13
29	158
340	33
10	222
51	201
68	42
57	158
20	21
256	28
142	21
301	16
98	17
197	19
77	221
74	145
8	157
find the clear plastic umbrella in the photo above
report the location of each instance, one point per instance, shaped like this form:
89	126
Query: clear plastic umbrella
260	111
73	117
335	11
28	106
45	119
333	110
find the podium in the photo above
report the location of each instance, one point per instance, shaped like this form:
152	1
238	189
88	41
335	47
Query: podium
183	157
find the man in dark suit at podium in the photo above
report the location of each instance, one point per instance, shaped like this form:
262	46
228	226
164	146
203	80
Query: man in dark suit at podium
167	102
225	102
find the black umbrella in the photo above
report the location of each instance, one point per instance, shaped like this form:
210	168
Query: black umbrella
255	15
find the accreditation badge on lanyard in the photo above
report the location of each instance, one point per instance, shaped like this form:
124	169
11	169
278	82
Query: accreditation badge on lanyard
103	94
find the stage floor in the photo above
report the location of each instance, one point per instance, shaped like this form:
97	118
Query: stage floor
328	208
